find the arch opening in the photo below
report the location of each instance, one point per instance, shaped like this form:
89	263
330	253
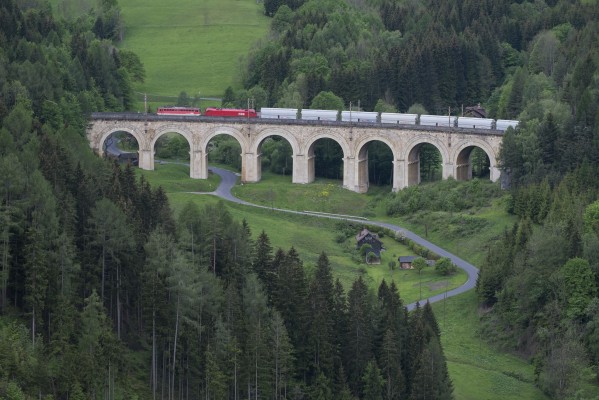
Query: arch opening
325	160
224	149
121	146
171	147
375	165
472	162
276	156
424	164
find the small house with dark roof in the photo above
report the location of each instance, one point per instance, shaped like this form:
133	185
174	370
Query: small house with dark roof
405	262
475	111
372	239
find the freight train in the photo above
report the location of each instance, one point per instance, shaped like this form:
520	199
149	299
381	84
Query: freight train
348	116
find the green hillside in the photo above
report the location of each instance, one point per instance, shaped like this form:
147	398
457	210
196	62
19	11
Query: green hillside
193	46
499	375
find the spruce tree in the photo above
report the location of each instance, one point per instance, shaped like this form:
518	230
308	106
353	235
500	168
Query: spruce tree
292	304
321	321
359	336
373	382
429	377
548	135
340	333
262	261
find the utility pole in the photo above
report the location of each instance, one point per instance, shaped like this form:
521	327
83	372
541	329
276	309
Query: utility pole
351	133
145	103
247	113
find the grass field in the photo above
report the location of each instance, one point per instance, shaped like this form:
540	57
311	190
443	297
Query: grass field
192	46
323	195
477	369
445	229
174	178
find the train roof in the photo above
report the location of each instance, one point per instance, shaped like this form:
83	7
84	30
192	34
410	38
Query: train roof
474	122
503	124
278	113
324	115
437	120
359	116
398	118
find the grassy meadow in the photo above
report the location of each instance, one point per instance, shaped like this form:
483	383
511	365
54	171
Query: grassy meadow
464	233
478	371
192	46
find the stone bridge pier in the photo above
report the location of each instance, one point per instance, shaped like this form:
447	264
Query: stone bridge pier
455	145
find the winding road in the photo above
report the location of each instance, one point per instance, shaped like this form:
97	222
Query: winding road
228	180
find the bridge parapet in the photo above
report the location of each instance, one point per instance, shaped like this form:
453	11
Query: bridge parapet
454	144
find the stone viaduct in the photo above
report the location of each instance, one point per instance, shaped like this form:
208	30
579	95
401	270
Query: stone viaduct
454	144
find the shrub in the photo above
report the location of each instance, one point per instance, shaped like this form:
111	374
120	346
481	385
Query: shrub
444	266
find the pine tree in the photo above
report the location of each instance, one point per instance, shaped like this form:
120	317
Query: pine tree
390	361
321	311
373	382
293	306
548	134
429	318
340	329
429	377
321	389
160	253
359	338
263	261
282	354
514	103
257	357
216	381
272	287
190	235
37	272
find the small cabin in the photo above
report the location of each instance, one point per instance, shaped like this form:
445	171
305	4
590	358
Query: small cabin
405	262
475	111
367	237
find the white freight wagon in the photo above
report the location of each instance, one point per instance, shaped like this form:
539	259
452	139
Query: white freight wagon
319	115
472	122
503	124
359	116
437	120
398	118
278	113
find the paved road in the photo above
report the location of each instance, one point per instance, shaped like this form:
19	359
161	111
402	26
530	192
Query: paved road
228	180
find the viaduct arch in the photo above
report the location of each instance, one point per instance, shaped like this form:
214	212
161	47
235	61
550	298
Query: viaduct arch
454	144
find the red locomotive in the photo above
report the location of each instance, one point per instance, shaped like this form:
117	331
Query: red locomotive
173	110
230	112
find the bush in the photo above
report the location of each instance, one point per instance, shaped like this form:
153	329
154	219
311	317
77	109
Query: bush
444	266
340	238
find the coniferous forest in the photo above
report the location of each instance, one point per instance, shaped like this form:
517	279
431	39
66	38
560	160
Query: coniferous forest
105	293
